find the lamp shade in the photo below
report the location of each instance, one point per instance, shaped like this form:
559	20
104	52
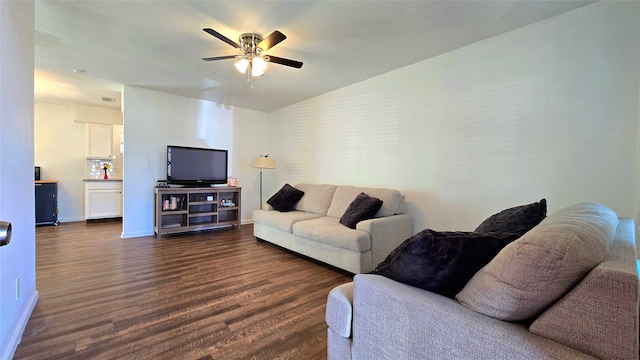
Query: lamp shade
265	163
257	67
242	65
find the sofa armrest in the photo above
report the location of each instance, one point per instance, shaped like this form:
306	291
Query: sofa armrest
386	234
340	310
392	320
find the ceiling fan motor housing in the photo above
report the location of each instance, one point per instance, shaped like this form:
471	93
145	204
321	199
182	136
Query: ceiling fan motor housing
249	43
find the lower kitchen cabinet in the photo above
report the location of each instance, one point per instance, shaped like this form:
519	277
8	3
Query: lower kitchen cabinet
102	199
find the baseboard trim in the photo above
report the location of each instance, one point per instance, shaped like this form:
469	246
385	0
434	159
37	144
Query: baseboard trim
16	337
70	219
135	234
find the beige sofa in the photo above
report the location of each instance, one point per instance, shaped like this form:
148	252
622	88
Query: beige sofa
313	228
595	316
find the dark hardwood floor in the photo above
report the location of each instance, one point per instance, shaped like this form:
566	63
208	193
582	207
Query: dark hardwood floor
208	295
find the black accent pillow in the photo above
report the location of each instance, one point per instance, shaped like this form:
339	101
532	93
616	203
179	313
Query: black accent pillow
363	207
286	198
442	262
519	219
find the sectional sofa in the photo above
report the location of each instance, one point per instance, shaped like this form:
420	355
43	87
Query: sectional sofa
566	289
312	228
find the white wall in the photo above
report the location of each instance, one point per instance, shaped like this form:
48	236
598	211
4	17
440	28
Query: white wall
637	192
153	120
249	142
550	110
60	151
96	114
17	259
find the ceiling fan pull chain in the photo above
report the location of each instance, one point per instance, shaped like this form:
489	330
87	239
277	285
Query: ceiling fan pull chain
250	72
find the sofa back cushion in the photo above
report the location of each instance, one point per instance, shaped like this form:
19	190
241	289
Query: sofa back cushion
534	271
606	299
344	195
317	198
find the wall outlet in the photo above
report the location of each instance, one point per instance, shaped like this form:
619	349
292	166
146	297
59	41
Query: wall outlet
17	287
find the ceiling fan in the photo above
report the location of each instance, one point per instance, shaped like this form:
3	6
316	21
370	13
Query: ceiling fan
253	47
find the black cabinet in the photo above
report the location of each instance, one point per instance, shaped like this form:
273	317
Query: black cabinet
46	203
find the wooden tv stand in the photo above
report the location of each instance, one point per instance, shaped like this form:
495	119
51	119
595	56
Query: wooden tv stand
179	210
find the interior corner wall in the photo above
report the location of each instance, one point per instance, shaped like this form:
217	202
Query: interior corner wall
153	120
17	196
249	142
60	151
549	110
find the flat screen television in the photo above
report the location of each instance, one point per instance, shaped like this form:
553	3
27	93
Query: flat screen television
191	166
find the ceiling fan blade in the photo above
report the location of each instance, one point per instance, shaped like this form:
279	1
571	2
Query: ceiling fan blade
220	57
222	37
283	61
272	40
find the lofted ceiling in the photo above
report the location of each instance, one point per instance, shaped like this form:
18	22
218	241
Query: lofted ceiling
159	45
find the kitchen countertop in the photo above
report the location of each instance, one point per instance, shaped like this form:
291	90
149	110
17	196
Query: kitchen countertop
46	181
103	179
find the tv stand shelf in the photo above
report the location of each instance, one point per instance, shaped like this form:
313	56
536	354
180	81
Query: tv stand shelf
180	210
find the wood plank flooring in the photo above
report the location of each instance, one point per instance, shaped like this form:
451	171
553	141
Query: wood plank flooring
208	295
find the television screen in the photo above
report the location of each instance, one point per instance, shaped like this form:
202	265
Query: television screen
196	166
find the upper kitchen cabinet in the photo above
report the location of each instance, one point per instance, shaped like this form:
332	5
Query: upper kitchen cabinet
99	141
118	139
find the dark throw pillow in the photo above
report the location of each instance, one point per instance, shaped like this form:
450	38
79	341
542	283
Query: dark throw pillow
286	198
519	219
363	207
442	262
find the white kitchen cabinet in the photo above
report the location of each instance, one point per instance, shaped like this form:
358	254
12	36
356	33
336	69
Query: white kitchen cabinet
99	141
118	140
102	199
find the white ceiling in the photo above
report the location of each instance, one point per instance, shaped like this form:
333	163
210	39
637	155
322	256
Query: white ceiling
159	44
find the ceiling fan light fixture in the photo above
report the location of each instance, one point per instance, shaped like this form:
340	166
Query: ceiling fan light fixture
258	66
242	65
253	46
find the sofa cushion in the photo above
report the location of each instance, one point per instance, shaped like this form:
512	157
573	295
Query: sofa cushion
363	207
282	220
442	262
285	198
344	195
317	198
519	219
328	230
534	271
606	299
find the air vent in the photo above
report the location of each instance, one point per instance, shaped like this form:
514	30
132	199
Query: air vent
108	99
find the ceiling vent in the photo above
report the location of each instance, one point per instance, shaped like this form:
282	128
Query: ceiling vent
108	99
